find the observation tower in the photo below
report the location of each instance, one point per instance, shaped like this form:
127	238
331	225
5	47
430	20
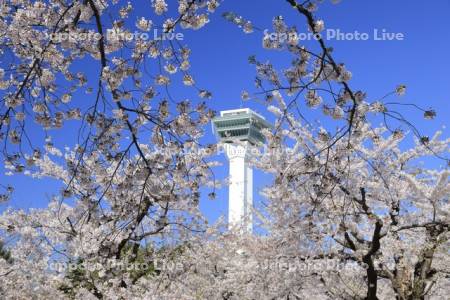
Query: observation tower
239	130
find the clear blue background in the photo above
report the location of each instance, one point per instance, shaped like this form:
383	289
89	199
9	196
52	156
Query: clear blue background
219	63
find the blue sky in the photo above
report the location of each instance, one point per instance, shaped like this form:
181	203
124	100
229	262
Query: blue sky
219	63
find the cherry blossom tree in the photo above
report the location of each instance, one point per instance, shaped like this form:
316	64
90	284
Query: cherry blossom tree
133	176
361	200
351	192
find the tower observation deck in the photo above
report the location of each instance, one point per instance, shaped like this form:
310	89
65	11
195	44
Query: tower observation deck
238	130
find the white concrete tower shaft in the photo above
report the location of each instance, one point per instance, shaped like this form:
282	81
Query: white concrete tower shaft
240	193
